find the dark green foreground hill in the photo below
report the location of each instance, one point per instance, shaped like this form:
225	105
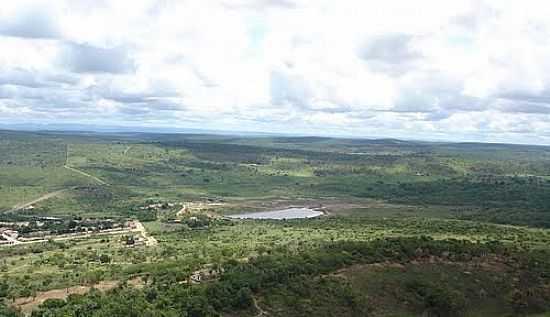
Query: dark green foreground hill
389	277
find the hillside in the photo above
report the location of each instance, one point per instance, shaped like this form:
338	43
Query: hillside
126	224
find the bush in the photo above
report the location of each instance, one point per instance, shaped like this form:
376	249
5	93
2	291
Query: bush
243	298
437	300
53	303
7	312
104	258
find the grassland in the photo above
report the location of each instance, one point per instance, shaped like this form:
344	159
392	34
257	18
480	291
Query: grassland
411	228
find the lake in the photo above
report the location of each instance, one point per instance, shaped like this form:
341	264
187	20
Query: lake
290	213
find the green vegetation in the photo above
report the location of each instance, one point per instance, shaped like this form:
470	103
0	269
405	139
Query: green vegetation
286	282
412	228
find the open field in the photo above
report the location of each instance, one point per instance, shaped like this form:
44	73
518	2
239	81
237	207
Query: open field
410	228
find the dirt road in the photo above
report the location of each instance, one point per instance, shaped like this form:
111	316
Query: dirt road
127	149
28	304
10	239
149	240
37	200
86	174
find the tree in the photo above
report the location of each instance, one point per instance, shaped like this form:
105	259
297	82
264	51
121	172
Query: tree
197	307
104	258
243	298
93	277
4	289
7	312
53	303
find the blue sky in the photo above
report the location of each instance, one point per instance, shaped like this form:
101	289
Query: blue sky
437	70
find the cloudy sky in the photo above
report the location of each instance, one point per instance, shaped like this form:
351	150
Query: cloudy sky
452	70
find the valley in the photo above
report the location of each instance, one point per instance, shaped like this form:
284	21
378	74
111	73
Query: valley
100	224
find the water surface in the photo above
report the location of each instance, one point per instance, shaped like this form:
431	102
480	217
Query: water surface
290	213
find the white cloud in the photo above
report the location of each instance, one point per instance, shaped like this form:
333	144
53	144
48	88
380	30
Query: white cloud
428	69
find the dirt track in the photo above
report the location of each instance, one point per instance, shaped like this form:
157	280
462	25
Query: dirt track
37	200
27	304
56	193
86	174
149	240
127	149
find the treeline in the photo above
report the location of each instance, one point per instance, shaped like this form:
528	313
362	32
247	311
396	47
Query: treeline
501	194
466	192
238	282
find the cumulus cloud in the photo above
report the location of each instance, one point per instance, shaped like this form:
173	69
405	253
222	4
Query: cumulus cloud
462	70
393	53
84	58
33	79
30	22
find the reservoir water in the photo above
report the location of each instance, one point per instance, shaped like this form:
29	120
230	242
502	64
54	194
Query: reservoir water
290	213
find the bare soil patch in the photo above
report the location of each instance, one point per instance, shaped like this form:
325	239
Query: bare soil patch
27	304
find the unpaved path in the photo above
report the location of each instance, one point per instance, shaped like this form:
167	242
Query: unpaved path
10	239
37	200
149	240
260	311
127	149
97	179
182	211
28	304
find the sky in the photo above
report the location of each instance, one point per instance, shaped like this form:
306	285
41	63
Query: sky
431	70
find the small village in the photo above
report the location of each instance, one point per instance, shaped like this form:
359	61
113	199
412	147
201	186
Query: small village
43	229
35	229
